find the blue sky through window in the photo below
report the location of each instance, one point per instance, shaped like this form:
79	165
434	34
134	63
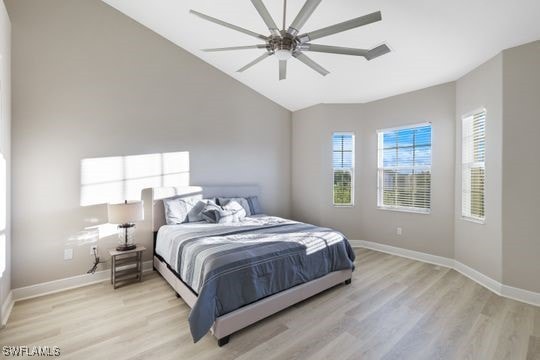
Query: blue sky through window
409	147
342	154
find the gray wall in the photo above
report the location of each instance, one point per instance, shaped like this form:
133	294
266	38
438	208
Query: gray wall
480	245
521	169
5	141
89	82
312	172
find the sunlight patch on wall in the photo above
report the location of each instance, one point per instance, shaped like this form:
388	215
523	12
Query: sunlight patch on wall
91	234
84	237
118	178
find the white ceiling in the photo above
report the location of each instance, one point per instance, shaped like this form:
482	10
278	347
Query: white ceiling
432	42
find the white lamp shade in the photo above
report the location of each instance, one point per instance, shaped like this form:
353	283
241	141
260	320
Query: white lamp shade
126	213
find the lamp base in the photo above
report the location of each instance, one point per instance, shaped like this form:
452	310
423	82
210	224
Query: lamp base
126	247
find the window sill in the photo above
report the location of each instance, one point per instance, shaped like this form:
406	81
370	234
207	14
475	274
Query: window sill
474	220
343	206
405	210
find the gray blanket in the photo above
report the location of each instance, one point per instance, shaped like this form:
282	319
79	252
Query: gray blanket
230	267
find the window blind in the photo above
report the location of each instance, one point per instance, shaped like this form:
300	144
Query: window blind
473	174
404	168
343	168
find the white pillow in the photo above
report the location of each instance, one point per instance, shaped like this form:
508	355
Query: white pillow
242	201
176	210
230	213
237	211
179	210
195	213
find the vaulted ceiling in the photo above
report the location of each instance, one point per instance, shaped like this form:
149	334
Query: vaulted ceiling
432	42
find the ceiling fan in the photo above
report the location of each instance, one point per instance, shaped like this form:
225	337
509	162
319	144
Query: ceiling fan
285	44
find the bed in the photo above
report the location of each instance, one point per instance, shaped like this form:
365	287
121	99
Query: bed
233	275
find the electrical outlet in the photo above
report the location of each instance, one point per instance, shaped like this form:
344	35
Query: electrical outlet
92	248
399	231
68	254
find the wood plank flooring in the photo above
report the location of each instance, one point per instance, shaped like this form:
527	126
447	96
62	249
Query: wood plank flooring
395	308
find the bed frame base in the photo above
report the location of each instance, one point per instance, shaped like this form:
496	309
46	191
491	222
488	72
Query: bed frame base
224	340
230	323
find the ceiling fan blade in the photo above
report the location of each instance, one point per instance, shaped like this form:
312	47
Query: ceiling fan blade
268	20
334	49
282	69
236	48
344	26
303	16
226	24
284	14
312	64
378	51
368	54
254	62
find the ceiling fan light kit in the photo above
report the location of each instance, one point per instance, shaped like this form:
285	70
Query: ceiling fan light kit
285	44
283	54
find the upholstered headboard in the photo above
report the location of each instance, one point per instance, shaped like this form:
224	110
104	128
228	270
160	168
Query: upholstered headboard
154	214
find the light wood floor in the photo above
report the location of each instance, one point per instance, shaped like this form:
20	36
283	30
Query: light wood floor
395	309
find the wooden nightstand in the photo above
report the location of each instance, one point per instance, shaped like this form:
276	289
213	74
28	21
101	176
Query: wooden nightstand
126	266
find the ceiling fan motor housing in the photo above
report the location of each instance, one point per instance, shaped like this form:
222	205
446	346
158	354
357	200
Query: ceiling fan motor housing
282	46
283	42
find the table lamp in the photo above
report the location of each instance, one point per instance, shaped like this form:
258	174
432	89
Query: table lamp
125	215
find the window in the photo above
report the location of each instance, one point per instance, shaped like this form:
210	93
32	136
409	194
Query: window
343	168
473	170
404	169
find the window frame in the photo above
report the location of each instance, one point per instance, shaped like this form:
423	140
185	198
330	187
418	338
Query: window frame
352	169
474	219
380	187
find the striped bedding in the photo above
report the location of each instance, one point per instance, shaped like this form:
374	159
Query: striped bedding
233	265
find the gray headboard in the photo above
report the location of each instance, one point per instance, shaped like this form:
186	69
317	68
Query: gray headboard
154	215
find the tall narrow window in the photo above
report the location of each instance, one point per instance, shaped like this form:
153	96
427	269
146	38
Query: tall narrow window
404	169
343	166
473	173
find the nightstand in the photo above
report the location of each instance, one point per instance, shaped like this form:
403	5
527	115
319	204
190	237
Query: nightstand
126	266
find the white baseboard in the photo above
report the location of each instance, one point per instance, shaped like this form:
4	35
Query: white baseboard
6	309
495	286
522	295
73	282
477	276
410	254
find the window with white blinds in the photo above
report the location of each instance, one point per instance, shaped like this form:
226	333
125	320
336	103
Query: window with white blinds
343	168
473	173
404	168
